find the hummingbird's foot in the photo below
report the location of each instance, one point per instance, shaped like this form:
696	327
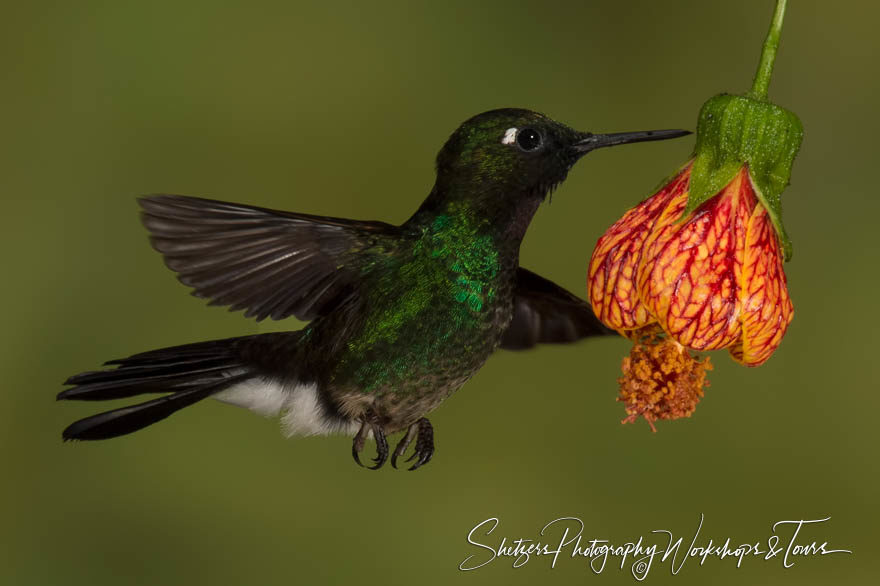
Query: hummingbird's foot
424	443
404	442
357	445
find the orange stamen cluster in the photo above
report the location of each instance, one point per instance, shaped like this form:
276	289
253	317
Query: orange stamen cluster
661	380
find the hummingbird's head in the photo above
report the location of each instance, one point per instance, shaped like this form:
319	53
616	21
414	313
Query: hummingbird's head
508	151
509	160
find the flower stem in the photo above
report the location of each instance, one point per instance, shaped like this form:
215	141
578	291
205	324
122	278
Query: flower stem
768	54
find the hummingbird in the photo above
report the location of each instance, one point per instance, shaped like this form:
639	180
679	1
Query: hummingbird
399	317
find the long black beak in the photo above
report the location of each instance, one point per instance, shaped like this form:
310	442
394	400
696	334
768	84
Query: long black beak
590	142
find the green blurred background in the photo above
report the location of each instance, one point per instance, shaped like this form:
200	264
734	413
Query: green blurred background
338	109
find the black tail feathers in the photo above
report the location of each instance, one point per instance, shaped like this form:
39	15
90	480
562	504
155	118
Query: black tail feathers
189	373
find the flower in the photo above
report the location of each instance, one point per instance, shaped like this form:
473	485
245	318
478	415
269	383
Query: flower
711	278
698	265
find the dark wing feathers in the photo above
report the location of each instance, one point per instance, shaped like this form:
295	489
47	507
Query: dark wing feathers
269	263
276	264
545	313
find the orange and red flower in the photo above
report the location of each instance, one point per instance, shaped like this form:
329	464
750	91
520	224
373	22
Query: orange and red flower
698	265
711	280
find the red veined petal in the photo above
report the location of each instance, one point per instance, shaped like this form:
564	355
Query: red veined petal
766	307
690	271
611	275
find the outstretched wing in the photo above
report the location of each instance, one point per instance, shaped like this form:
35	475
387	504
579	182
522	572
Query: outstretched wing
267	262
545	313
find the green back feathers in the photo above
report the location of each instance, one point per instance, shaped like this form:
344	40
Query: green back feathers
438	293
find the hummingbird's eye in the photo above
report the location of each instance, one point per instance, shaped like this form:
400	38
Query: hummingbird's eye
528	139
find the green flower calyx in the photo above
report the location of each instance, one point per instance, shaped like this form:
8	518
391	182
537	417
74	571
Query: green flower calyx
733	131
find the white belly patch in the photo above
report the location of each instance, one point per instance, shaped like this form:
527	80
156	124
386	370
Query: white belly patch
302	413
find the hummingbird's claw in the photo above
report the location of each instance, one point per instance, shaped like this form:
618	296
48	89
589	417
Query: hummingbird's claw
381	447
424	444
357	445
404	442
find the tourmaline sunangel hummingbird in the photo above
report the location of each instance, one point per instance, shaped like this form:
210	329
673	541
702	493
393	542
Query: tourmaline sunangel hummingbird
399	316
